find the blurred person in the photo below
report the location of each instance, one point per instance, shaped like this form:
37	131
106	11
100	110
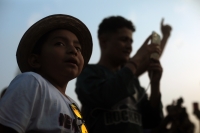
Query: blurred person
52	52
178	119
110	93
196	110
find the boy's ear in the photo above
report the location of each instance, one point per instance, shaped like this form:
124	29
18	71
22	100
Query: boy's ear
103	41
33	61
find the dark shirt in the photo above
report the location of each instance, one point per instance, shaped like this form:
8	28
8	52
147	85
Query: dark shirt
115	102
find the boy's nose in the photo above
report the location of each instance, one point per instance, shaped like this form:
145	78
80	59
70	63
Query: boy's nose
71	50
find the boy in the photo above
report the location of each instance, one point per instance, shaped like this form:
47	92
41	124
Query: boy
52	52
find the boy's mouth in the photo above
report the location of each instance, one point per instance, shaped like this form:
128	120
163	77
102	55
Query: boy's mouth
127	51
72	60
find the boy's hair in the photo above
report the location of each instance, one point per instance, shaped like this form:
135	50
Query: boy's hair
113	23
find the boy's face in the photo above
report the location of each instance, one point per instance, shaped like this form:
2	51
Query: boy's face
61	57
119	46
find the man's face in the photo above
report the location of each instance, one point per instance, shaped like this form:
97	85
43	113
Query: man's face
119	46
61	56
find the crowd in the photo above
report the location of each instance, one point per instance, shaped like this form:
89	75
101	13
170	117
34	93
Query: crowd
57	49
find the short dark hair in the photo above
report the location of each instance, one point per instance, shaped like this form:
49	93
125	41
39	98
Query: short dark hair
113	23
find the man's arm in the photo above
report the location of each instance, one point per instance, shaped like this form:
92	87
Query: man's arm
152	108
166	31
155	73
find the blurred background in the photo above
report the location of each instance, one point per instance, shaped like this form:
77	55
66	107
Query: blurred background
181	58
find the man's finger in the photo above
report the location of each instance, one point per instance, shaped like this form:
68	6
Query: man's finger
162	22
147	40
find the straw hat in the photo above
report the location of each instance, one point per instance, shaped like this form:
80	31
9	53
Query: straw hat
49	23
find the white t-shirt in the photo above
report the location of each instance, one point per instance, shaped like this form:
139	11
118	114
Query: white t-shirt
31	103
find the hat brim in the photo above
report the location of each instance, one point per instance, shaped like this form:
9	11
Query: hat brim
47	24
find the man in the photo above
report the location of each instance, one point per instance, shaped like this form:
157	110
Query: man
178	118
111	96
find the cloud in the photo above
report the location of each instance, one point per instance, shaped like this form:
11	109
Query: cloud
187	6
179	42
33	18
132	17
180	9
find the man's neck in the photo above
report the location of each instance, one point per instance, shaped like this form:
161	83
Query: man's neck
110	65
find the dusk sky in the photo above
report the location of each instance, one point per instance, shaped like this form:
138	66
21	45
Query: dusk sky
180	60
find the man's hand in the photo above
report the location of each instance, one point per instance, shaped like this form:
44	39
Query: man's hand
142	56
165	29
155	71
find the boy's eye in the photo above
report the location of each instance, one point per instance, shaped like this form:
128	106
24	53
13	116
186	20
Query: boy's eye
60	44
78	49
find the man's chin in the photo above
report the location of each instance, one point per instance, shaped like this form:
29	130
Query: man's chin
124	61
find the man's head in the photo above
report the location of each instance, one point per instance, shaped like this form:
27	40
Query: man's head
115	39
55	43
